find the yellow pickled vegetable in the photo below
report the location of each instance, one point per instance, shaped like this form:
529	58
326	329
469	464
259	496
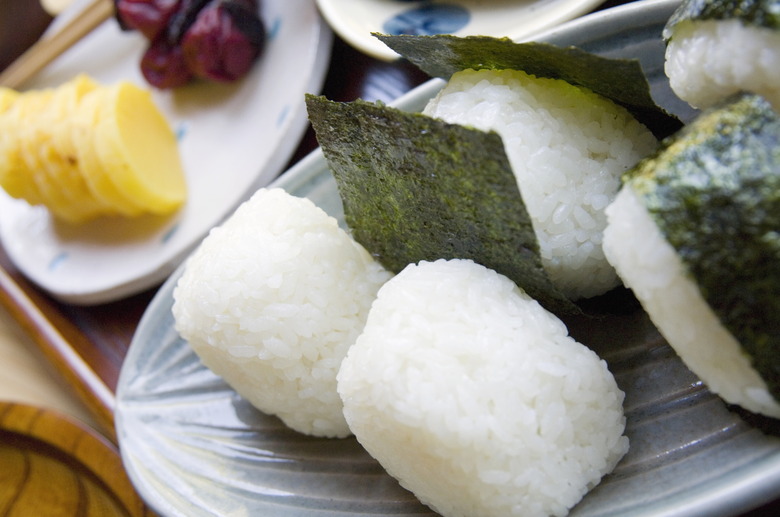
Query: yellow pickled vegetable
84	150
56	172
134	143
17	164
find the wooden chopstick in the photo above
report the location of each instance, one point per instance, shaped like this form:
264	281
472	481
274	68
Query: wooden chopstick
49	47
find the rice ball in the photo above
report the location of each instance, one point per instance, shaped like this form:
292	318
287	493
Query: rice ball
694	233
708	61
568	148
272	300
651	267
476	399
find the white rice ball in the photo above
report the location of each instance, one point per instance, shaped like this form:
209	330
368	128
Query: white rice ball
650	266
568	148
272	300
476	399
708	61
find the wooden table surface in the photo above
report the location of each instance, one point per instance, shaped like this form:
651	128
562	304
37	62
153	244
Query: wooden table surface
100	335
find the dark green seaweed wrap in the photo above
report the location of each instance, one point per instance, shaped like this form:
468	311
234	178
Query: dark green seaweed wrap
714	192
620	80
417	188
759	13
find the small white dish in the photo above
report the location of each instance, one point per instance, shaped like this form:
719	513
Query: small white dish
233	139
355	20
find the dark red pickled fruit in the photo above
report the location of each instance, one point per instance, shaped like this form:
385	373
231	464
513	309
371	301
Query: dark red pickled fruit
163	65
224	41
183	18
149	17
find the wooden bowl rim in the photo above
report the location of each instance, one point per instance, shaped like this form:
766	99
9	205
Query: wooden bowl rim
75	444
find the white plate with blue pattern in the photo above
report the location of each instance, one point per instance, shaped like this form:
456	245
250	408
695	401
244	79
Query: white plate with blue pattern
354	20
233	139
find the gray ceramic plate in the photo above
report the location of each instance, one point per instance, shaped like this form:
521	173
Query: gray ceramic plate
193	447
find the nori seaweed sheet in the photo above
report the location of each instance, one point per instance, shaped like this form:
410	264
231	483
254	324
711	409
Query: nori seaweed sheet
759	13
714	192
416	188
620	80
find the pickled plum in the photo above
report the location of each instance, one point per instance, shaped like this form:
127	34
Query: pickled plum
216	40
224	41
149	17
163	65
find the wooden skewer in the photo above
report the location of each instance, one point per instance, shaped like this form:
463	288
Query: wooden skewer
49	47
